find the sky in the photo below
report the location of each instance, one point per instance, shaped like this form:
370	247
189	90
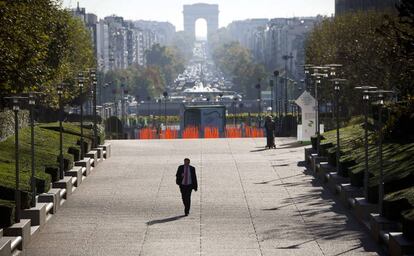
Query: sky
230	10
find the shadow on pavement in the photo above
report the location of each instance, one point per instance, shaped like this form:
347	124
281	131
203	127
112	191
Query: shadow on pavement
295	144
321	224
301	164
259	150
160	221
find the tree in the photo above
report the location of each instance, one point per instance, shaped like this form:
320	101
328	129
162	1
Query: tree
167	59
145	82
368	58
237	63
40	45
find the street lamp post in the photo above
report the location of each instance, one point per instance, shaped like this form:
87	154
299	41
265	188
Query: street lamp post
61	165
337	88
286	58
165	94
80	84
32	102
115	112
380	94
318	77
235	99
148	107
95	127
276	75
16	141
17	198
259	105
365	99
137	113
271	85
33	179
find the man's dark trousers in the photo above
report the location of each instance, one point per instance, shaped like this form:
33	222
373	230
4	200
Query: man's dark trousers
186	196
186	189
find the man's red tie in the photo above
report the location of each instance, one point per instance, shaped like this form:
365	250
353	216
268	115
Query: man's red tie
185	175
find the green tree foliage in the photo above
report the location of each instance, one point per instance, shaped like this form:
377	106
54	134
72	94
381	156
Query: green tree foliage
41	45
167	59
137	80
357	41
236	62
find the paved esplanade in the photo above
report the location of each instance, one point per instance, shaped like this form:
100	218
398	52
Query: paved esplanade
250	202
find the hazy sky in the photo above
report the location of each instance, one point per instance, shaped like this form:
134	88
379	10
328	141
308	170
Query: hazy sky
171	10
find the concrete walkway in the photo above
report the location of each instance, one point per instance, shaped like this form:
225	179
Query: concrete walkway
250	201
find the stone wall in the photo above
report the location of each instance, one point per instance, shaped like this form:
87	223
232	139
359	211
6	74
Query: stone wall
7	122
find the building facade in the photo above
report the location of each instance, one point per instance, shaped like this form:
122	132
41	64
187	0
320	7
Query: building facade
271	41
119	43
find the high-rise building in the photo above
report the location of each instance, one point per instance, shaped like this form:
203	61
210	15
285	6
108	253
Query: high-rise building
270	40
119	43
165	31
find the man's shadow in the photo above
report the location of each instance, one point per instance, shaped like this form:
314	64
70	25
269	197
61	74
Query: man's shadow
160	221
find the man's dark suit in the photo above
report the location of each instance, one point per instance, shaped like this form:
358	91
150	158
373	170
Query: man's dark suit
186	189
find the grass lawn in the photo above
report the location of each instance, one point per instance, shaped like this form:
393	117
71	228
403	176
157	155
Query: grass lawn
46	159
398	166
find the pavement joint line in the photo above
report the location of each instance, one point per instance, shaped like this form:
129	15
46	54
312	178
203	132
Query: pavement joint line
152	209
295	204
245	197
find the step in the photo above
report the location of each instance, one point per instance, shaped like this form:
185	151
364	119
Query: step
76	172
93	155
363	209
34	231
315	159
36	214
10	244
86	163
65	183
107	149
62	202
16	243
5	246
346	191
52	196
399	245
21	229
334	179
380	225
100	151
321	170
308	152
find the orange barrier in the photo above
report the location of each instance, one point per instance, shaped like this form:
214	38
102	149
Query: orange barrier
211	133
169	134
147	134
253	132
233	132
190	132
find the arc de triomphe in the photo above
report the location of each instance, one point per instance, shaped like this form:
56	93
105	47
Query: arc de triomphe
209	12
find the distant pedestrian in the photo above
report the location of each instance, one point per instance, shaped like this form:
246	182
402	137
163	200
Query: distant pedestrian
187	180
270	132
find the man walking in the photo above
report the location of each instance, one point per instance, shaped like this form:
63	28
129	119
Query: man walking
187	180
